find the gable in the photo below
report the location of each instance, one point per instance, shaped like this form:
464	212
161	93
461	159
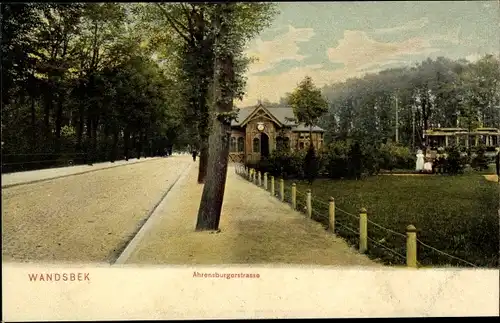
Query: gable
279	115
261	112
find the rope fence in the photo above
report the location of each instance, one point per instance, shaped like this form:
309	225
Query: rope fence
356	228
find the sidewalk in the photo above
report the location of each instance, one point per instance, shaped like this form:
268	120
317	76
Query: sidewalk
255	229
33	176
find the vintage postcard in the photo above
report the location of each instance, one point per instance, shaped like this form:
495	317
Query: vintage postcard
214	160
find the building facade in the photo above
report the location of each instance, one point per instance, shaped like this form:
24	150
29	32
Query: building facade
258	131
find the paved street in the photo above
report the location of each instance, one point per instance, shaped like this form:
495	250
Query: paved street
87	217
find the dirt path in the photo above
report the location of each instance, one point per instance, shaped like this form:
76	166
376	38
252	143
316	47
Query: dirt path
83	218
255	229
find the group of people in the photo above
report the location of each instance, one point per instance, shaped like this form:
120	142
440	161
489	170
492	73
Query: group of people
425	165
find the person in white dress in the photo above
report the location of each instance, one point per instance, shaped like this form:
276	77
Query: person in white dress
420	161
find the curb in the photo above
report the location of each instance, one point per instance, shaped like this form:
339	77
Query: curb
147	222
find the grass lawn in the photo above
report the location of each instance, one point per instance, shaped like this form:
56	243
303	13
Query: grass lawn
455	214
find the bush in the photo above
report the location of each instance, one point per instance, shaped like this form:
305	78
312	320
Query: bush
454	163
335	159
281	163
355	158
394	156
311	165
480	161
371	160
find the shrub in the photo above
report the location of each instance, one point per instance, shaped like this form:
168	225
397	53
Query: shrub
355	158
371	160
454	163
311	165
336	159
396	156
480	161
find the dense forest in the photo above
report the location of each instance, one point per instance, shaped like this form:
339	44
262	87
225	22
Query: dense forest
80	83
434	93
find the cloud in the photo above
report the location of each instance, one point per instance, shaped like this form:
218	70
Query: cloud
452	36
283	47
356	50
410	25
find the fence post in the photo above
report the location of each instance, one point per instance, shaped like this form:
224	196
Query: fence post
411	246
282	189
272	186
265	181
294	196
363	230
260	178
254	178
331	215
309	203
249	174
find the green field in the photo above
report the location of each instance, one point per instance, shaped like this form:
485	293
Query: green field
455	214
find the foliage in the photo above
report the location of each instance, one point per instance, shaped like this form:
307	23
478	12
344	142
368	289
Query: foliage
336	159
396	156
454	163
480	162
433	93
77	80
311	164
355	158
307	103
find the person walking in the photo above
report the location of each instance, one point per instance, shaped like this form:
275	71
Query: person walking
194	154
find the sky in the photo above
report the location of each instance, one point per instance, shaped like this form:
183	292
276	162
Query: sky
333	41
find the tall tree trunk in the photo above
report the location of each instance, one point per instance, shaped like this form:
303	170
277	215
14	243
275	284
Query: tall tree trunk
59	115
213	190
88	140
46	117
126	142
33	124
114	148
79	128
95	125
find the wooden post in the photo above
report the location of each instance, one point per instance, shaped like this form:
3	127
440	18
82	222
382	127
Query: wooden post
265	181
331	215
363	231
309	203
411	246
282	189
294	196
272	186
259	174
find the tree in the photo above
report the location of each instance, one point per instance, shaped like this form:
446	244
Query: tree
233	24
308	104
77	77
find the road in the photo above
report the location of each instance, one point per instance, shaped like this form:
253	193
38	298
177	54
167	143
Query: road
88	217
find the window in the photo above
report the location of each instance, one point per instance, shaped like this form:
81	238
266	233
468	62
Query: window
256	145
241	144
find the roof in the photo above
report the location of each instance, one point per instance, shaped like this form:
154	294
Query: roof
282	114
